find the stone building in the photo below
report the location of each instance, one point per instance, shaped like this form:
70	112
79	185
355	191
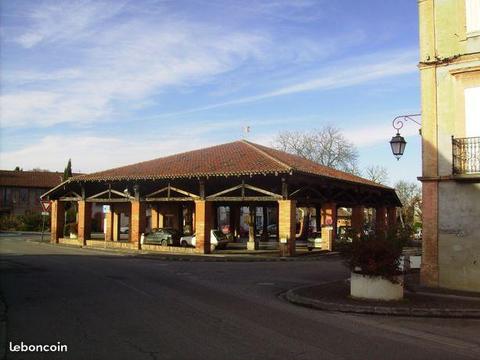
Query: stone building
200	190
450	86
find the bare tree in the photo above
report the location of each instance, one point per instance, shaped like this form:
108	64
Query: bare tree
37	169
377	173
410	194
326	146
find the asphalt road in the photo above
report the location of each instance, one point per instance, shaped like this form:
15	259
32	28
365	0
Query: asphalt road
109	306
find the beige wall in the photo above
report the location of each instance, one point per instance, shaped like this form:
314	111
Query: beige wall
459	236
449	63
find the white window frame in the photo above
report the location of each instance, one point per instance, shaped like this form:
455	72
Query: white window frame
472	8
472	112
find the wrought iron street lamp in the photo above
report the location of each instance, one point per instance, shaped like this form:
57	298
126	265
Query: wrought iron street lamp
398	142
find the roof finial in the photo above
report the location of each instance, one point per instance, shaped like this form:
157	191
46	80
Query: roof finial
246	131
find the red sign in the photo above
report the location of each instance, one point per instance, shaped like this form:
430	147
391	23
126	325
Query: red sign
45	205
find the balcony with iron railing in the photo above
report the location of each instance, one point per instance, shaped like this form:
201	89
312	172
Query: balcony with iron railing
466	156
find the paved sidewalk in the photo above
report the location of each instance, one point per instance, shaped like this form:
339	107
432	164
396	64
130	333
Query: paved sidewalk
418	301
231	255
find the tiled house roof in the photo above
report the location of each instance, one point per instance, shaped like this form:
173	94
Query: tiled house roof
30	179
231	159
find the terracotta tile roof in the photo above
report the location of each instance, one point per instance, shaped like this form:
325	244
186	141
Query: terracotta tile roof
235	158
303	165
32	179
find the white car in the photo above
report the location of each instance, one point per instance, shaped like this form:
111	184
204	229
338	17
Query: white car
217	240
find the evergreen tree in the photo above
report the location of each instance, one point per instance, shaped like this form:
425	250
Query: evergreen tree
67	173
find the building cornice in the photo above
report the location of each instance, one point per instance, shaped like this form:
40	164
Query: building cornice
455	59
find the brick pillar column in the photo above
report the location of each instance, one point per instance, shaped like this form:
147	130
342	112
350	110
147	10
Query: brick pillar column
154	216
203	225
137	222
287	223
84	221
329	217
57	221
109	225
358	219
116	224
380	221
391	216
429	272
327	238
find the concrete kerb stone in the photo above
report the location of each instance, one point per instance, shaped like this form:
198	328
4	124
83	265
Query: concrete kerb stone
195	257
411	311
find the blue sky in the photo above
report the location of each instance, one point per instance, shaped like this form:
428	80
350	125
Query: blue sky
111	83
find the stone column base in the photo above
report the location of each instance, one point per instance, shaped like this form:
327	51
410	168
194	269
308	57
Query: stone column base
252	245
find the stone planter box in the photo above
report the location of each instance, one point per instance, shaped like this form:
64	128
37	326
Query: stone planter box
375	287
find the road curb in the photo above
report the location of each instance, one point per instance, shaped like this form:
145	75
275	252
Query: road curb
410	311
3	328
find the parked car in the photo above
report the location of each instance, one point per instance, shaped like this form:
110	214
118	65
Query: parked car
162	236
314	241
123	229
217	240
271	230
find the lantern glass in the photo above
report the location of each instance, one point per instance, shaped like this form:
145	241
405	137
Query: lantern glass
398	144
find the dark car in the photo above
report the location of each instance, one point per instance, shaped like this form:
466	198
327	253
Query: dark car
163	236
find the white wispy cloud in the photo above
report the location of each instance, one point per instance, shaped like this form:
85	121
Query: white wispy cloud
117	67
383	131
66	21
348	73
120	66
51	153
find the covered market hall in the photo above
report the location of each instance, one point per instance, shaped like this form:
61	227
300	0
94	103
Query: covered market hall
245	190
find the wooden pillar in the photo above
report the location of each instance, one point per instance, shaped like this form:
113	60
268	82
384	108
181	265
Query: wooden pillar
265	224
252	243
380	221
318	218
137	222
287	226
57	221
84	221
154	217
231	220
358	219
329	217
180	219
109	224
391	216
203	225
235	221
215	218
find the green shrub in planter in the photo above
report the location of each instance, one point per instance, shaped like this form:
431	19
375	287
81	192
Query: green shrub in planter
376	254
